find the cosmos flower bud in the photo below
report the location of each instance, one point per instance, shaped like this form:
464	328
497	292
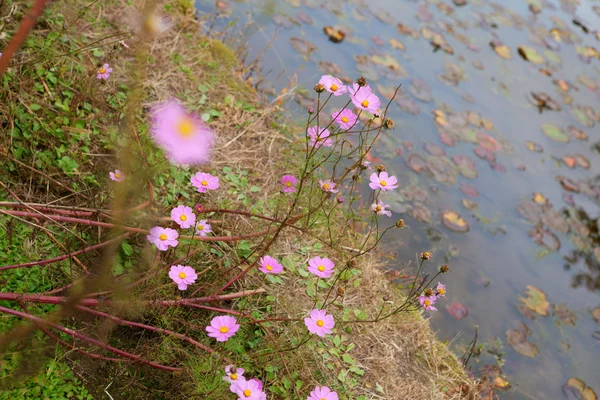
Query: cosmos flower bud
380	168
444	269
429	292
362	81
341	291
352	264
340	200
400	223
425	256
311	110
319	88
389	123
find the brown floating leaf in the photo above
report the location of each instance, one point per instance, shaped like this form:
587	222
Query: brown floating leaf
396	44
564	315
536	301
577	133
416	163
517	338
501	49
457	310
453	221
569	161
577	389
469	204
334	35
302	46
596	315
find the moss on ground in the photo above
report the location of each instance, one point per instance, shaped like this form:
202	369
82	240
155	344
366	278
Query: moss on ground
62	131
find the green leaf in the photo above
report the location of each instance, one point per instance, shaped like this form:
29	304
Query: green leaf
127	249
205	117
34	107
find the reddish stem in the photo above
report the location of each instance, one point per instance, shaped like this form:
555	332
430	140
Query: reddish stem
70	332
65	256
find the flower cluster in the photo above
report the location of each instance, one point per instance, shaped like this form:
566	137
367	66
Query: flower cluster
430	297
245	389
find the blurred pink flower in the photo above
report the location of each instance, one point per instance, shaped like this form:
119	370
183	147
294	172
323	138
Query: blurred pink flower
381	209
346	119
328	186
440	290
364	98
183	276
320	323
233	374
333	85
222	327
248	390
182	135
117	176
203	227
321	267
270	265
289	183
104	72
428	302
162	238
184	216
318	140
383	181
205	182
322	393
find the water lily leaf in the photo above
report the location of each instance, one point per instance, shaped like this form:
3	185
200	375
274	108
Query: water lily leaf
396	44
501	383
545	238
442	169
304	17
368	72
577	133
536	301
469	204
582	161
530	211
466	166
457	310
302	46
582	117
334	35
501	49
555	220
555	133
469	190
543	101
530	54
390	63
416	163
577	389
564	315
532	146
568	184
552	56
420	212
540	199
596	315
407	31
517	338
406	103
453	221
420	90
434	149
569	161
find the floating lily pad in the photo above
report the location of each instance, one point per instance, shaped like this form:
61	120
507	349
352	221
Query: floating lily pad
457	310
540	199
555	133
530	54
532	146
564	315
569	161
552	56
596	315
396	44
434	149
576	389
582	117
555	220
420	212
543	101
416	163
334	35
582	161
496	166
466	166
302	46
568	184
501	49
484	154
517	338
420	90
442	169
407	104
304	17
469	190
577	133
545	238
453	221
407	31
536	301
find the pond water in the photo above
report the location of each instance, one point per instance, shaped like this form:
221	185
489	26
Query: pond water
500	144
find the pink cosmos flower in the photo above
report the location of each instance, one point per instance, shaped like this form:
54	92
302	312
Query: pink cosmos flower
104	72
289	183
162	238
248	390
321	267
381	209
222	327
233	374
270	265
205	182
183	276
428	302
328	186
258	382
182	135
117	176
440	290
184	216
366	163
322	393
320	323
122	43
363	98
333	85
318	140
384	181
345	119
203	227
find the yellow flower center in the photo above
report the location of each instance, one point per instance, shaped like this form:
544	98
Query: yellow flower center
102	70
247	393
288	184
442	291
183	217
320	323
163	236
185	128
204	183
233	377
268	268
365	103
427	303
378	208
383	183
117	175
321	268
345	120
326	186
334	87
224	329
200	227
182	275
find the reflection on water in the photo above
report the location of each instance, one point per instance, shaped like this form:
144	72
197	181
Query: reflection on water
496	149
